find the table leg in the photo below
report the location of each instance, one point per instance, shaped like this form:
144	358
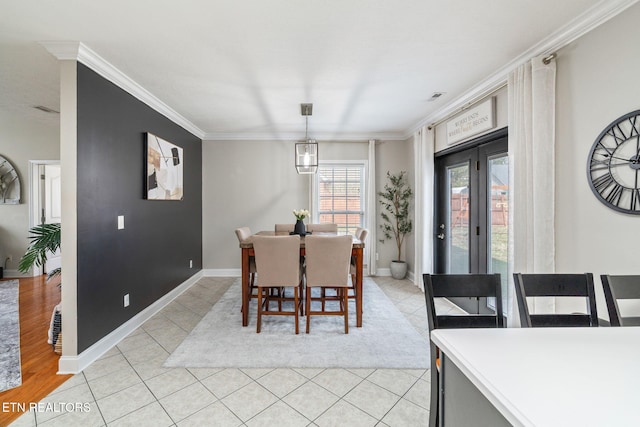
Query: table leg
359	259
245	286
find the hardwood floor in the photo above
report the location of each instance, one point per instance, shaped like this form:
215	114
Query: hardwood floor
39	361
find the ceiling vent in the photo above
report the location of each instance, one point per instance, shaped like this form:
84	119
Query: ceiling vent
46	109
435	96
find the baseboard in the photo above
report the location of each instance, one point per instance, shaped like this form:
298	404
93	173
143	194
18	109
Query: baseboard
222	272
387	272
14	274
383	272
75	364
411	276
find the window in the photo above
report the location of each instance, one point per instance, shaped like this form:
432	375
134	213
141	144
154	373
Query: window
339	195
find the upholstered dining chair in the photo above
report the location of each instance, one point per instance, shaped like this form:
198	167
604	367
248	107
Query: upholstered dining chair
243	233
361	234
620	288
555	285
451	286
278	264
284	227
323	228
327	263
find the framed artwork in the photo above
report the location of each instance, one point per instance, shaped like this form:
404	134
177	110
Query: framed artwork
165	165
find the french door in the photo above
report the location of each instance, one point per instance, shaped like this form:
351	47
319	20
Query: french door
472	210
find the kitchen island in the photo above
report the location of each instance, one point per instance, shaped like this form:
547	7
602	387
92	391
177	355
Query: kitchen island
540	376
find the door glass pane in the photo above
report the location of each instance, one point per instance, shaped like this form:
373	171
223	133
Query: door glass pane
457	240
498	213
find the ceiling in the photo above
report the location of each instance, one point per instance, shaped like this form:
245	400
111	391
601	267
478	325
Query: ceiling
240	69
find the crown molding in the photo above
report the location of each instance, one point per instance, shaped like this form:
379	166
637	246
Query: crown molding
579	26
80	52
297	136
64	51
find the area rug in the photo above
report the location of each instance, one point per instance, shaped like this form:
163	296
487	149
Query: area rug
10	371
385	340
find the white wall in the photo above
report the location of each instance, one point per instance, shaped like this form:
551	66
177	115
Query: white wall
23	138
597	81
246	183
254	184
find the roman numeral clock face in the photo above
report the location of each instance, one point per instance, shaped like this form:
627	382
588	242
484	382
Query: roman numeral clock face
613	169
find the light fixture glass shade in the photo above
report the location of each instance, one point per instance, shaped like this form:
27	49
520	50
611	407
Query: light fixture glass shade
307	156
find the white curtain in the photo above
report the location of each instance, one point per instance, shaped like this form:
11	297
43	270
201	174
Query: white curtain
370	219
423	154
531	93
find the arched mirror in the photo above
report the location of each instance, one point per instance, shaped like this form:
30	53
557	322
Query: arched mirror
9	183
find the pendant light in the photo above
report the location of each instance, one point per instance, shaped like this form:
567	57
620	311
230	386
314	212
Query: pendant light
307	150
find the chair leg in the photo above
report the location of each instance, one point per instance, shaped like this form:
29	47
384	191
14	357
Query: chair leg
433	406
252	277
353	286
308	307
295	307
259	310
345	299
301	307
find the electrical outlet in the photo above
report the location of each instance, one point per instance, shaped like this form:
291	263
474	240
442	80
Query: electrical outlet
126	300
120	222
190	263
376	256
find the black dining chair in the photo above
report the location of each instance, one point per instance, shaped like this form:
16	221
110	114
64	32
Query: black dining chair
451	286
620	288
555	285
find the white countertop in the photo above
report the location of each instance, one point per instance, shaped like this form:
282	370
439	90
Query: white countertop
552	376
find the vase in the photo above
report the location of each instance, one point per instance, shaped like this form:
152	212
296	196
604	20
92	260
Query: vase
398	269
300	228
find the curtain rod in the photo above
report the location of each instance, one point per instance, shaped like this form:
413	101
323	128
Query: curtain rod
546	60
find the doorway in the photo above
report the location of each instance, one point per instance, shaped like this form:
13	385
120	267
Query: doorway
45	202
472	212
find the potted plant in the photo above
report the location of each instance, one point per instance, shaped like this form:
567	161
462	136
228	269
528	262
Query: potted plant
395	200
44	239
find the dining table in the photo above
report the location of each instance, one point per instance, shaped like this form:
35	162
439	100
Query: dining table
246	246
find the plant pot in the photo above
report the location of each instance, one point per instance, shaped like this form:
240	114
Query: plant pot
300	228
398	269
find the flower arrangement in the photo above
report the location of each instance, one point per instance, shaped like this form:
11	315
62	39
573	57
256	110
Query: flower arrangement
300	214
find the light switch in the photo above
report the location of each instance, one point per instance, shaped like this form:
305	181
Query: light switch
120	222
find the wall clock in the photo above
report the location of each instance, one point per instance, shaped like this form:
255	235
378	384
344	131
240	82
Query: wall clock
613	169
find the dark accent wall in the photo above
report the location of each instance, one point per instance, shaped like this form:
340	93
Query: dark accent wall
150	257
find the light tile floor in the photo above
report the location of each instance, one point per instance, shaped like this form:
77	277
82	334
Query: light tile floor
128	386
